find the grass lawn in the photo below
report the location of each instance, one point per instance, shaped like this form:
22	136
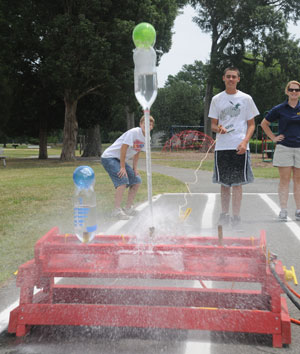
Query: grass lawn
36	195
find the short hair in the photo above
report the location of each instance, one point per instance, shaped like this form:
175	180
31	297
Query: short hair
289	84
232	68
151	119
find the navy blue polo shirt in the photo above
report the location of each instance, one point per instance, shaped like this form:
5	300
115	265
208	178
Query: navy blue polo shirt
288	123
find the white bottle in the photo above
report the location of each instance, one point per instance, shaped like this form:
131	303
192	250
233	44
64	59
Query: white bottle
145	76
85	207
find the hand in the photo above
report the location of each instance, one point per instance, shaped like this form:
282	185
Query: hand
241	149
122	172
136	172
222	130
279	137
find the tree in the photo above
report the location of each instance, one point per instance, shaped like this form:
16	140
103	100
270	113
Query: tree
7	82
180	101
161	14
92	110
237	26
80	47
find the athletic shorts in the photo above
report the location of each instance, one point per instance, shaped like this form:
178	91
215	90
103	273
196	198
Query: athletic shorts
285	156
112	167
232	169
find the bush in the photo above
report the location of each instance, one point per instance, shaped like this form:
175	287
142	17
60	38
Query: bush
33	141
255	146
112	136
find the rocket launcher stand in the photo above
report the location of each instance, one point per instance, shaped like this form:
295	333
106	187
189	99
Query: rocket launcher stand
192	258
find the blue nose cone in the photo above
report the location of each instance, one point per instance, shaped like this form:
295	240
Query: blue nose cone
84	177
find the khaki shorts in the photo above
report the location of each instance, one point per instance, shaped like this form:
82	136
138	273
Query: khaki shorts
286	156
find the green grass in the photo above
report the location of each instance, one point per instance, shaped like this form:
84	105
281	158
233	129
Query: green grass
206	165
22	152
36	195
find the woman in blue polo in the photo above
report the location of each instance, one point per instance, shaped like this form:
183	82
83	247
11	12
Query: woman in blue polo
287	152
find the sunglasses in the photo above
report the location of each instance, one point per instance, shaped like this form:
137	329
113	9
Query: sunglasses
294	89
231	76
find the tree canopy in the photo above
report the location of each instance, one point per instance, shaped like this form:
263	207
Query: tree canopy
76	56
180	102
79	47
241	27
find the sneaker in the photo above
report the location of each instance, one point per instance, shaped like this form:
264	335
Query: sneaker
235	221
282	215
119	214
297	214
223	219
130	211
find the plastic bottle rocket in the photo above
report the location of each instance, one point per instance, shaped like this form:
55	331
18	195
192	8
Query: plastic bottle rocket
145	76
144	57
85	207
145	88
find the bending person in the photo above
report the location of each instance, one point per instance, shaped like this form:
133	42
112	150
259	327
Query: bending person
114	160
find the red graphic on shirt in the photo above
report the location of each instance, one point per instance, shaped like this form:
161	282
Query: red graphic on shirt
138	145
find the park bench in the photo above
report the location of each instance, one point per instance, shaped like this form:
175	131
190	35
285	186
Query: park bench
2	157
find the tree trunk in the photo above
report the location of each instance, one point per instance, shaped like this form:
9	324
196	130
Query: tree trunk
207	101
93	142
210	82
70	129
129	118
43	154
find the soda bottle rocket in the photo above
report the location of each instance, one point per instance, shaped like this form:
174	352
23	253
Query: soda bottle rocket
85	207
145	76
145	87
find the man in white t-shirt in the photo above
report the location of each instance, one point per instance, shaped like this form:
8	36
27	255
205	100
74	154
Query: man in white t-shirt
232	114
114	160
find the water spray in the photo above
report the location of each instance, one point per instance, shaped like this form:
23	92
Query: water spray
145	88
184	215
181	213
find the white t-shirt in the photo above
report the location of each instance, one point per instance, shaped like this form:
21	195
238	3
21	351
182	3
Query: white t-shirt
133	137
233	112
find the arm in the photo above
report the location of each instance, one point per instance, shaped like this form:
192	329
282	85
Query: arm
135	163
123	151
241	149
217	128
265	124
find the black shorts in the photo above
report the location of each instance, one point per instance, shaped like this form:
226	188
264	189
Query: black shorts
232	169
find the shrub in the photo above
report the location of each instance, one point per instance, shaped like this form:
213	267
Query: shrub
112	136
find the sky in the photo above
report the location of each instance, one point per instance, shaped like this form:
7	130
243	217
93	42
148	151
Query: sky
189	43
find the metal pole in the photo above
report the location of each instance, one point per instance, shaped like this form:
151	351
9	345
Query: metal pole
148	164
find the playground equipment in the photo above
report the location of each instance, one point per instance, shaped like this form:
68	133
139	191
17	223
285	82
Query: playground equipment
236	264
189	140
267	145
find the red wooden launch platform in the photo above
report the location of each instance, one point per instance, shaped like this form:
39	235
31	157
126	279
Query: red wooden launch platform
187	259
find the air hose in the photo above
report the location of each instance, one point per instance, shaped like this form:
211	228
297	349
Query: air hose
285	289
292	290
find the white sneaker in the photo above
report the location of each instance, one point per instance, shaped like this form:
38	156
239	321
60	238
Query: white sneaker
283	215
130	211
119	214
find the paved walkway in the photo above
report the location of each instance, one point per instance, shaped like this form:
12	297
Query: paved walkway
203	179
